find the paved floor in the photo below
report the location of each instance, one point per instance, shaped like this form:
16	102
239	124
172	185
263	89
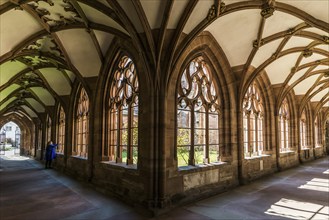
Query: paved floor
29	192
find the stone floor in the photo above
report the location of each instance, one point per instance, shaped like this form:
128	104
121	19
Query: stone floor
29	192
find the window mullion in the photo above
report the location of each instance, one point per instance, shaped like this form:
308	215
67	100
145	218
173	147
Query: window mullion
256	133
191	153
129	141
206	156
107	142
249	135
118	144
285	134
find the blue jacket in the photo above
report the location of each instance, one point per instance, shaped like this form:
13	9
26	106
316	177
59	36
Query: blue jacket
51	151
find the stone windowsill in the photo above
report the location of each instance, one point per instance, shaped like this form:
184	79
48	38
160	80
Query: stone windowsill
318	146
199	167
305	148
257	157
79	157
287	153
122	165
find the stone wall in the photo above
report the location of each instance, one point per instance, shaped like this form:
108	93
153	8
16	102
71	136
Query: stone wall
78	168
288	160
190	183
257	167
120	181
319	151
306	155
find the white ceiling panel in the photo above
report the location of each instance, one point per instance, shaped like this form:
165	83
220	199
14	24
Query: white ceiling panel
82	52
302	87
323	47
104	39
265	52
9	70
7	91
280	68
317	31
71	75
44	96
321	67
229	34
176	12
278	22
315	8
319	96
312	58
57	81
130	10
98	17
199	13
36	105
29	111
12	21
297	42
6	103
297	75
154	10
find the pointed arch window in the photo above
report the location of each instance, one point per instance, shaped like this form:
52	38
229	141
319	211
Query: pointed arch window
253	121
122	132
284	126
82	126
39	127
302	128
61	131
198	116
317	131
48	129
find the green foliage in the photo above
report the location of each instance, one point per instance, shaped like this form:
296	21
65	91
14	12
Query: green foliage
124	136
183	156
198	154
183	138
8	148
135	155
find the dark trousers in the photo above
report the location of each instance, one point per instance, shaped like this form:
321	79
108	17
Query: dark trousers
48	163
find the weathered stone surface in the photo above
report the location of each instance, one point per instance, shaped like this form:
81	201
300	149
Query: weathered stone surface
200	179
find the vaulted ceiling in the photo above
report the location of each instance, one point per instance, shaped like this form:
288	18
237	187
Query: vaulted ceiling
47	45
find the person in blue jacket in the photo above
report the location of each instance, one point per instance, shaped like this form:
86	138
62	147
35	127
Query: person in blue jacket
50	153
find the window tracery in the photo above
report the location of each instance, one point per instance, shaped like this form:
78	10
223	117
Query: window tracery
284	126
198	115
123	113
253	120
48	132
82	126
317	131
303	130
61	131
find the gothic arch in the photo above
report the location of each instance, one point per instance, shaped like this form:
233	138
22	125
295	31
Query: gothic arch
207	47
27	132
267	95
309	124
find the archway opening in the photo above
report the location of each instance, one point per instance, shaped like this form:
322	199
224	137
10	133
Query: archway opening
327	136
10	137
